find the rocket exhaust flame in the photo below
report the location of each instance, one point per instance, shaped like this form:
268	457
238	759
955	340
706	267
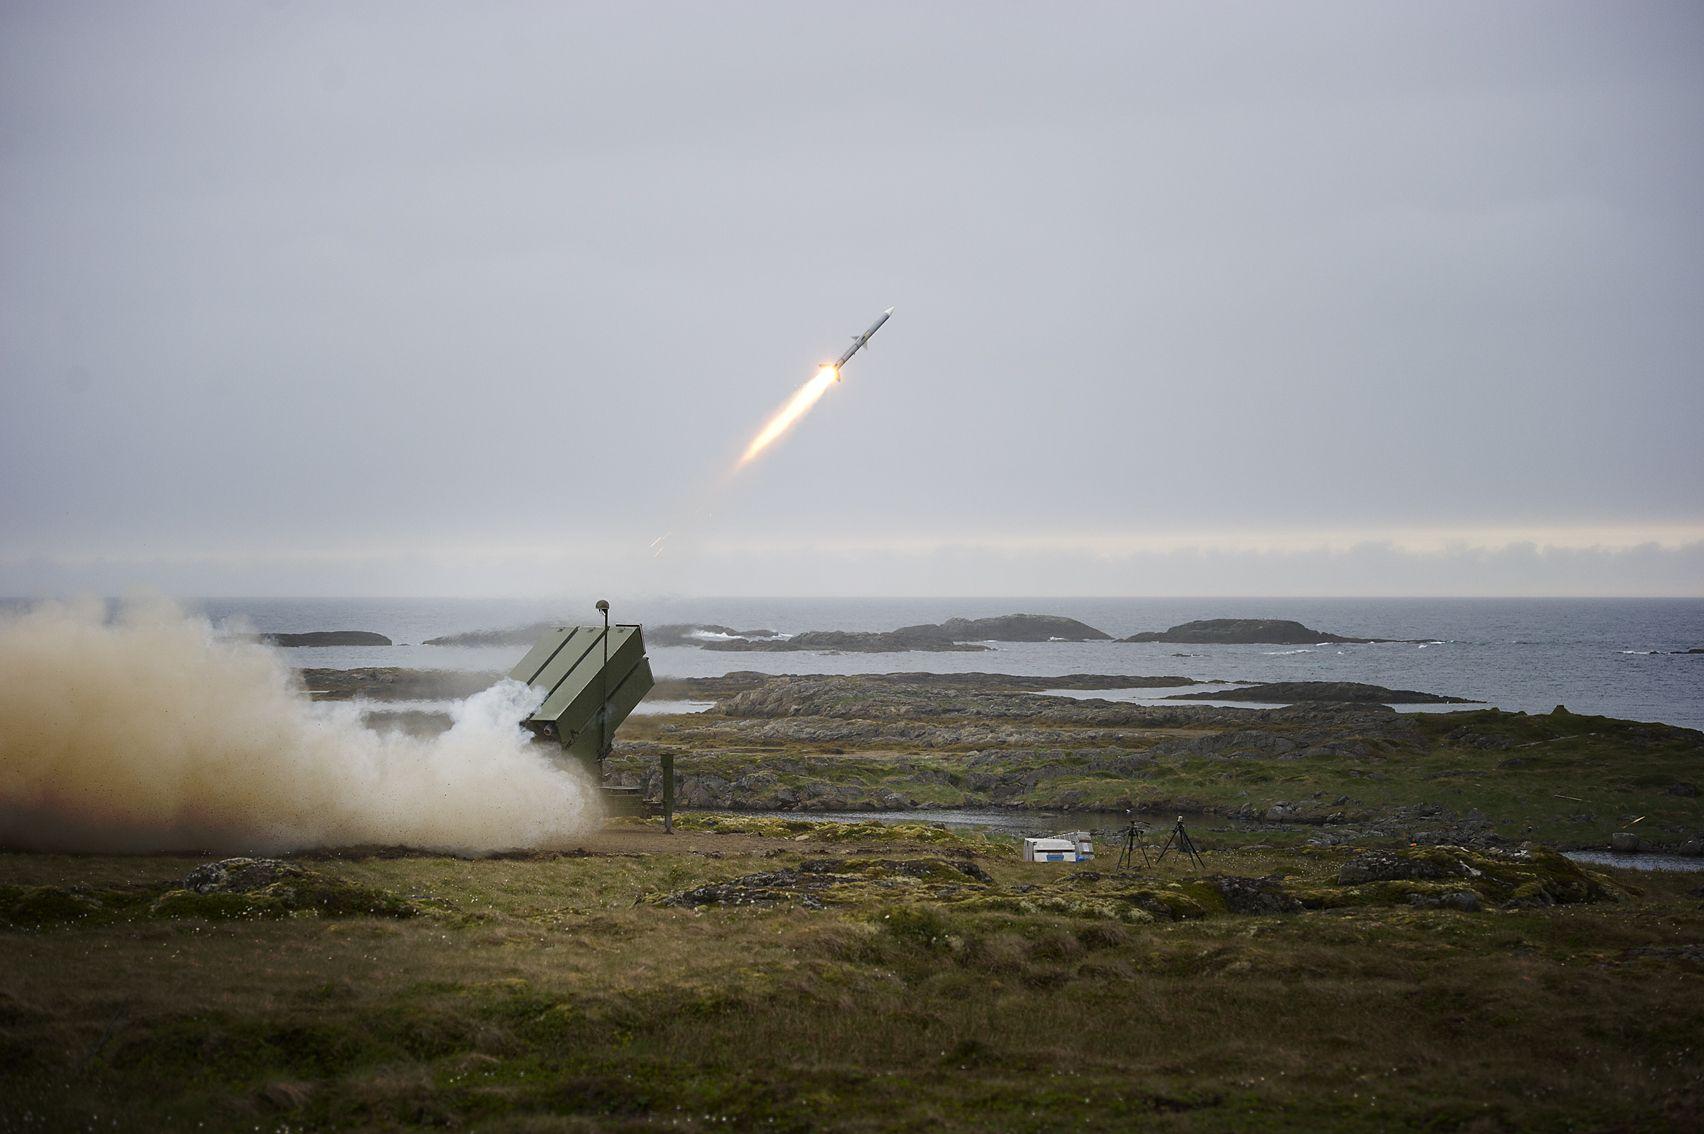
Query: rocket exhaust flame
786	417
797	406
807	396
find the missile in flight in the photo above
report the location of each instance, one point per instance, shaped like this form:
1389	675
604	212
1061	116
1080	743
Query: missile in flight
858	342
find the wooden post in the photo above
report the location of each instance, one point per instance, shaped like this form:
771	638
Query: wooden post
668	793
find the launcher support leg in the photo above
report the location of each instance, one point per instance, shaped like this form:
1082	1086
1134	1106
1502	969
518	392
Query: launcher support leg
668	793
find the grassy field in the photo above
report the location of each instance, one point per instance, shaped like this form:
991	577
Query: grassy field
1566	779
861	979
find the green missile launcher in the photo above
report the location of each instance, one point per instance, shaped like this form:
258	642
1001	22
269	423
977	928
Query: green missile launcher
591	678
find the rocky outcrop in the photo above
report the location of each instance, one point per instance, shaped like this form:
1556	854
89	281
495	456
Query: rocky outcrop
513	636
270	887
817	883
860	697
1253	895
1039	754
239	875
1449	878
327	638
393	683
906	638
232	888
1340	692
1247	631
1023	628
1434	876
955	634
699	633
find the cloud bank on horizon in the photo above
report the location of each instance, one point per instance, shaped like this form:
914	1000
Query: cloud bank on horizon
320	300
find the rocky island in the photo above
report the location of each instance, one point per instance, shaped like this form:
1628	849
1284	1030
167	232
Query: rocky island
1249	631
955	634
1337	692
510	636
698	633
327	638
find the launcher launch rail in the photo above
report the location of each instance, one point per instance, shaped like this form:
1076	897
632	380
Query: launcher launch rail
591	680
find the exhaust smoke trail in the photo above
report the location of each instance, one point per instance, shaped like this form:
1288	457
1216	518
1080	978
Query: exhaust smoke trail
151	732
797	406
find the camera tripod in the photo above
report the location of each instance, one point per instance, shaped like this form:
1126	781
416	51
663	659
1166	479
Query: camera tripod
1132	846
1180	841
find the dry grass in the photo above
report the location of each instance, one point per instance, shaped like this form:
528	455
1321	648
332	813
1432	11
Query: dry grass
532	995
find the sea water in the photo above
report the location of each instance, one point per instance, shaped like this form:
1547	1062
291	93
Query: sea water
1610	656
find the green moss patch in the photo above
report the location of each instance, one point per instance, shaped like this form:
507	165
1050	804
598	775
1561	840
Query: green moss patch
825	831
1532	876
296	894
310	894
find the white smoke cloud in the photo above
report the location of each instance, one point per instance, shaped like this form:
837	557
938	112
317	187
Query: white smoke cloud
150	732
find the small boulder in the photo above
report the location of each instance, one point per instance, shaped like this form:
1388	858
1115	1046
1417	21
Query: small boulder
1388	866
1464	900
1624	842
270	887
1254	895
239	875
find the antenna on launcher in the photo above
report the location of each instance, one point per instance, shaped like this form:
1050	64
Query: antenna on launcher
587	688
603	677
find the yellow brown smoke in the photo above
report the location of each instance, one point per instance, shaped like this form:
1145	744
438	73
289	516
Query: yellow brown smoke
151	732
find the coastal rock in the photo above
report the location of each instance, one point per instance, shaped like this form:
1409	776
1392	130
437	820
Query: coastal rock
1624	842
699	633
1023	628
389	683
327	638
1338	692
906	638
512	636
1246	631
953	635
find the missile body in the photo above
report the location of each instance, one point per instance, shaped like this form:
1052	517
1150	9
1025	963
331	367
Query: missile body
858	342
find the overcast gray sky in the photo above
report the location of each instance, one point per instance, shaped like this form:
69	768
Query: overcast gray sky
1277	298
